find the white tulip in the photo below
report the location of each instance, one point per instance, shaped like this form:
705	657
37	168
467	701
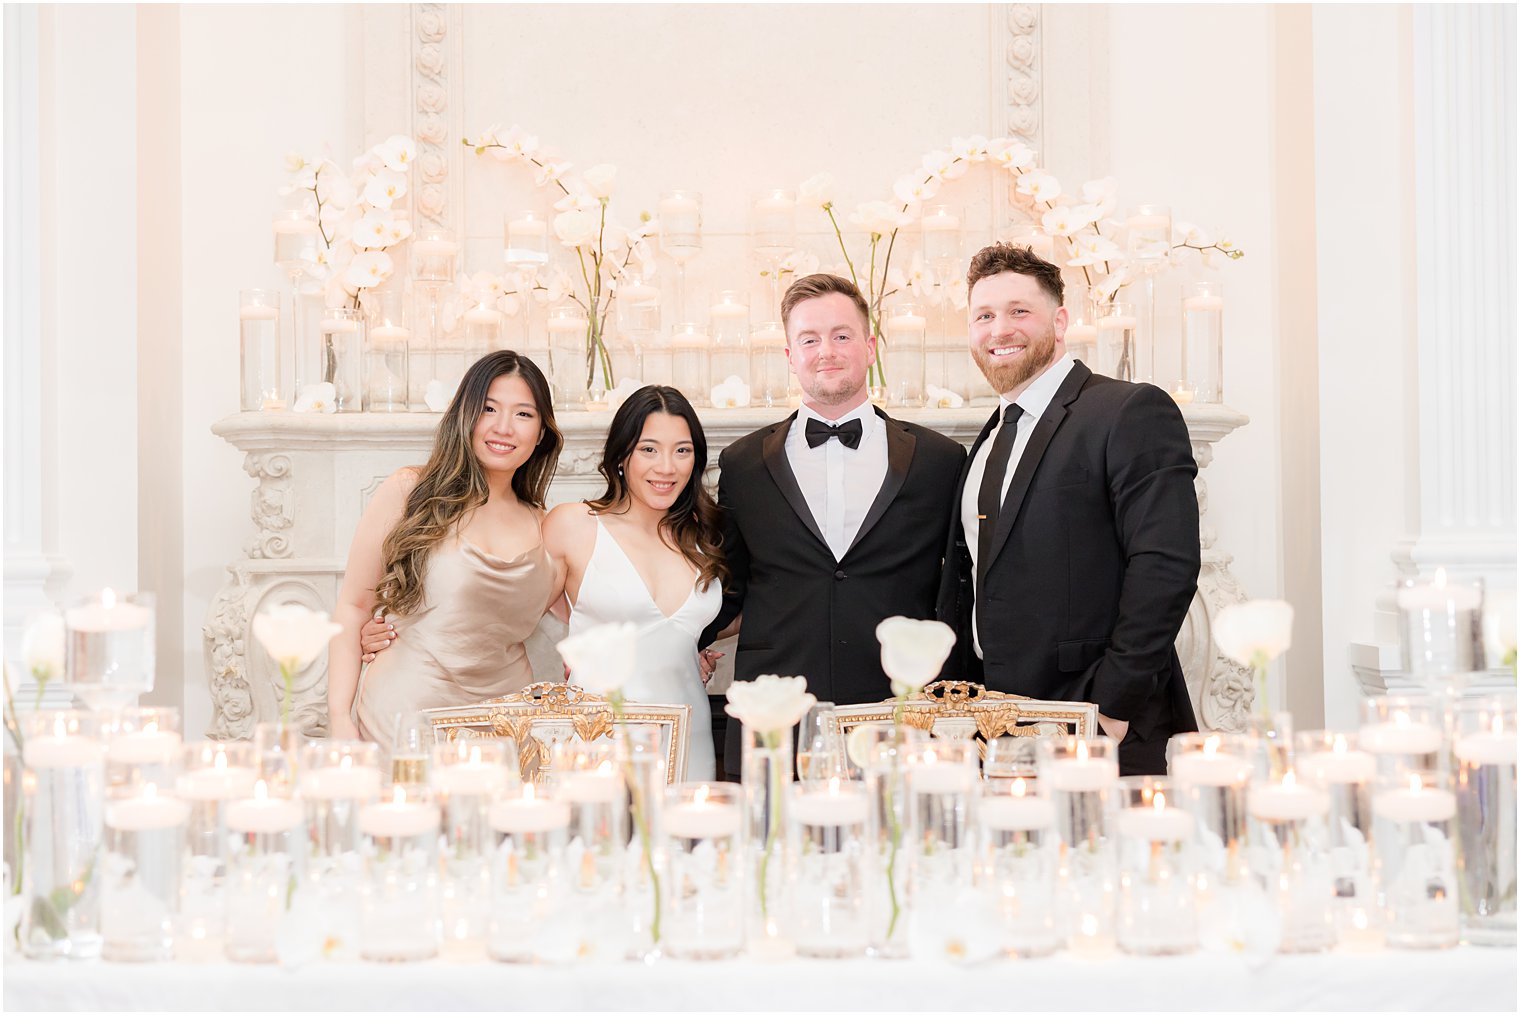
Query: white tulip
816	190
769	704
603	658
294	635
1499	629
576	228
913	651
1254	632
598	180
42	647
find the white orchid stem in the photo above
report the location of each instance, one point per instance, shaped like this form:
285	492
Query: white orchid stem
894	826
288	675
772	741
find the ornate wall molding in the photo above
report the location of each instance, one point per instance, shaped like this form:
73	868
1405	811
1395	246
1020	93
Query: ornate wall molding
431	93
328	465
1023	114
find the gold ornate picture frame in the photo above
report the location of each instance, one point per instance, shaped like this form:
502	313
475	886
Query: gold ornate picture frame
961	710
543	714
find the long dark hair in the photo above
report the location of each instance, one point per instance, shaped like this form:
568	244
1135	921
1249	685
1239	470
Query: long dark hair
453	483
693	520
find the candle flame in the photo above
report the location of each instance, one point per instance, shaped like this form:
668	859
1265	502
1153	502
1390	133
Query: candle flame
834	785
261	790
1401	718
107	598
60	727
1018	786
1159	801
930	757
1339	747
1440	577
700	797
1415	785
1289	779
151	726
1081	750
527	793
1211	745
1089	925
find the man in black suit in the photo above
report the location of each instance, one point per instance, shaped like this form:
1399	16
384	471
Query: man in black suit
1073	554
834	517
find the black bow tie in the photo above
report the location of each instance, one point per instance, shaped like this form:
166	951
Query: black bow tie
818	432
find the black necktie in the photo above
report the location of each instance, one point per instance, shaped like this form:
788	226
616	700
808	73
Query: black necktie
818	432
990	497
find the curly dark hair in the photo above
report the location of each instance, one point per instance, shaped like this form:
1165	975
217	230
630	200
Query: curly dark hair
1001	257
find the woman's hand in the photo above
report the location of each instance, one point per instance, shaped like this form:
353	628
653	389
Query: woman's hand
707	663
375	636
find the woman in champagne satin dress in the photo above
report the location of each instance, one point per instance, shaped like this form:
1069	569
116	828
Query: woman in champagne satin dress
454	552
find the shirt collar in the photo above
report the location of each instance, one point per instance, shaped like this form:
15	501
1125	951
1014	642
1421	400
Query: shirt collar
865	412
1038	396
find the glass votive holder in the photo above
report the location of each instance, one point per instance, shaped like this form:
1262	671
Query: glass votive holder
143	857
1415	858
882	753
143	745
277	756
941	781
1441	626
704	875
212	774
1332	763
342	337
768	365
1202	342
588	778
1149	231
527	241
108	649
266	852
906	327
387	351
1117	344
529	917
398	908
1010	758
1157	910
259	350
62	828
1403	733
1289	858
1210	773
826	911
1485	758
434	252
1017	857
567	325
690	366
468	775
1077	776
641	759
337	778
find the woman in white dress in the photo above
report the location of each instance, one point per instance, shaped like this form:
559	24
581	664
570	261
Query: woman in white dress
647	551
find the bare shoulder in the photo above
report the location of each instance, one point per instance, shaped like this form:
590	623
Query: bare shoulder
565	523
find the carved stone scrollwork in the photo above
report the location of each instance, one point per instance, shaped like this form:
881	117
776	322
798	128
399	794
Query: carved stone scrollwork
271	505
1228	690
224	630
1023	57
430	110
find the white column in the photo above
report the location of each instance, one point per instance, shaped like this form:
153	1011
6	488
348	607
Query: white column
1464	104
33	569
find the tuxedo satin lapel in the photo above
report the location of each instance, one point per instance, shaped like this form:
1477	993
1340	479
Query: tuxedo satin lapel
900	445
773	448
1039	440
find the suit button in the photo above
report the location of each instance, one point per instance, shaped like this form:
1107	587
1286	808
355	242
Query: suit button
840	576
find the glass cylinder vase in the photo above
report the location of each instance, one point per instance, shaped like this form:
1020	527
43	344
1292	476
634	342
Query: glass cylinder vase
398	909
213	775
1017	858
387	351
826	911
143	858
1414	817
766	771
530	914
468	776
1485	785
266	853
568	326
690	371
62	831
767	365
882	752
704	878
1203	341
1332	763
906	327
1157	911
259	350
342	351
1291	861
1078	776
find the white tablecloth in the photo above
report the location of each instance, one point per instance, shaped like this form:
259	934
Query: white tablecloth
1462	978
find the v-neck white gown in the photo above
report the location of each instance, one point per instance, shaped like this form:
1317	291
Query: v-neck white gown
612	592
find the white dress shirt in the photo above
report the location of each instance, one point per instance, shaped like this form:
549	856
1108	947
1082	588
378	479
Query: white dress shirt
840	483
1034	401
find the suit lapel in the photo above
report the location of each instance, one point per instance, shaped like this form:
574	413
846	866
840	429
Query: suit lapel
773	449
1039	440
900	445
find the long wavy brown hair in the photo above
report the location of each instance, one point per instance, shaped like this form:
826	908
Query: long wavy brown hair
694	521
452	483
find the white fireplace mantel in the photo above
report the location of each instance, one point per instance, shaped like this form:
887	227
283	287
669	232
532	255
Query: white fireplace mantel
313	475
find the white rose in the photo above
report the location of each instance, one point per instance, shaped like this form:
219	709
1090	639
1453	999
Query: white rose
576	228
1499	629
1254	632
816	190
294	635
42	647
913	651
769	703
598	180
603	658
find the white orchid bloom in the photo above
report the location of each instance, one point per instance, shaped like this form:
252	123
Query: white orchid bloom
1189	234
769	703
438	395
1090	250
578	199
942	165
599	180
1102	194
384	188
397	152
1108	287
519	144
397	230
602	658
334	189
972	149
577	228
482	287
915	188
913	651
1255	632
368	269
1040	186
372	230
294	635
551	172
920	279
321	397
733	393
1011	155
42	647
555	288
295	162
943	398
619	392
799	262
1061	220
614	237
816	191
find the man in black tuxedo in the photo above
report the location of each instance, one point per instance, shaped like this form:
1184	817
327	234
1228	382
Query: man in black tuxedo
1073	554
834	517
